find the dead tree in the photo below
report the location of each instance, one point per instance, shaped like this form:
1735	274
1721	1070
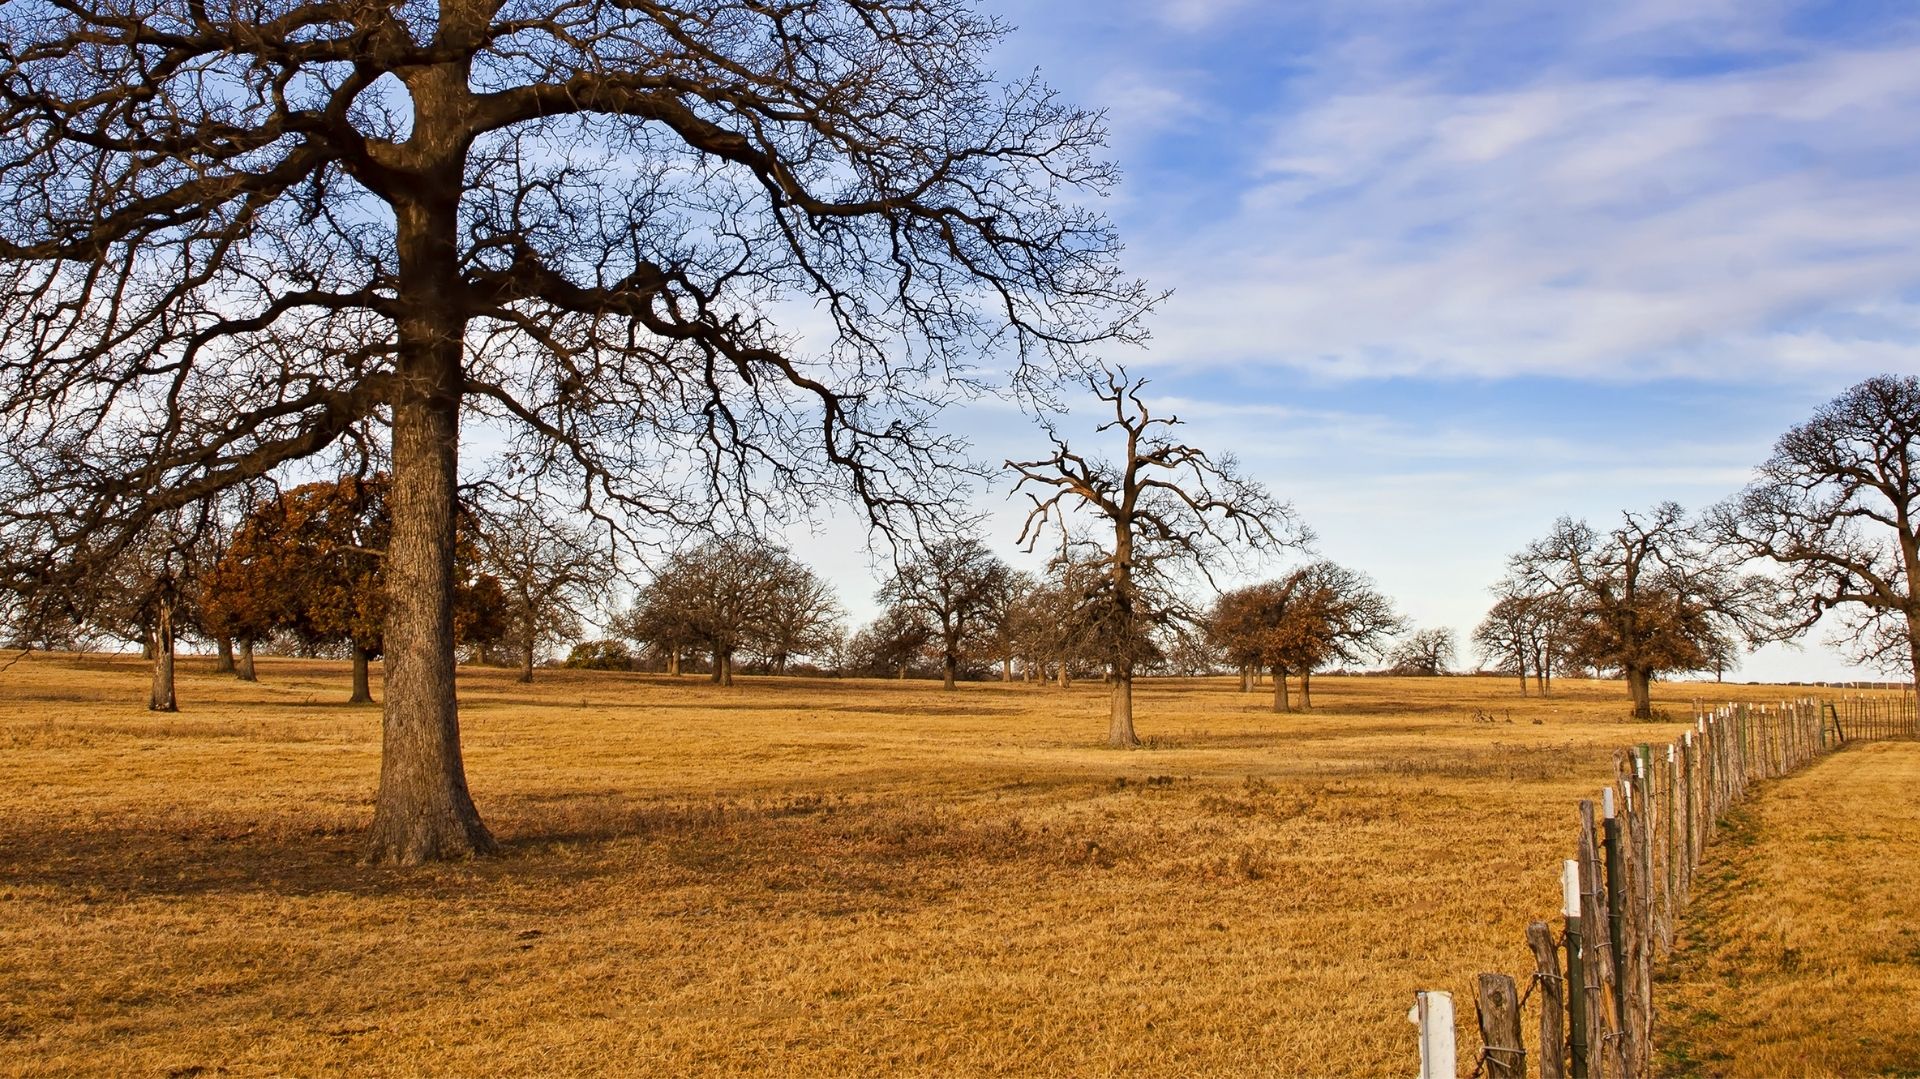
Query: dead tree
238	235
1169	507
1837	506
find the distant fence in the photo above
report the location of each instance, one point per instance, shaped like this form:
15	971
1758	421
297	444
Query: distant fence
1626	888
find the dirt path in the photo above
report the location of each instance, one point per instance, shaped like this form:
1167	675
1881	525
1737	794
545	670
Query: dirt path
1801	952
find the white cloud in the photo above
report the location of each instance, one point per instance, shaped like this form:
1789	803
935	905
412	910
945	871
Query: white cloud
1611	228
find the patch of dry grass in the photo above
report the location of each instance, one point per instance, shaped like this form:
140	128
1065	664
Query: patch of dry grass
1801	951
786	877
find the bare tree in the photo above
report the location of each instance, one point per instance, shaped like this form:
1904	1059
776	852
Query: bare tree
724	596
238	236
1428	652
1170	507
1838	507
1504	637
1005	626
549	568
1647	597
803	617
891	643
957	585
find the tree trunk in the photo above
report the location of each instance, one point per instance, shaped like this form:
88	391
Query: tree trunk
223	651
526	660
362	692
244	668
1523	673
160	640
724	664
903	671
146	644
1120	730
673	662
1913	638
424	810
1280	702
1306	691
1246	678
948	666
1637	685
1006	668
1066	676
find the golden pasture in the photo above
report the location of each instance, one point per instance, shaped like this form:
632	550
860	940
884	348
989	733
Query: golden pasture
1802	953
785	877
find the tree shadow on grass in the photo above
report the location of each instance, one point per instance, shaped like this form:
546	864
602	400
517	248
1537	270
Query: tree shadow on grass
788	844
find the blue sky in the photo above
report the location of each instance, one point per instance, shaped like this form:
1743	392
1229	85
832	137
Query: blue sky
1443	272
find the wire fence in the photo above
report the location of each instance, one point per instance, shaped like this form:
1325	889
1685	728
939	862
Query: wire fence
1627	887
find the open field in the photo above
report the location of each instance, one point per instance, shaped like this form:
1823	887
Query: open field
788	877
1801	953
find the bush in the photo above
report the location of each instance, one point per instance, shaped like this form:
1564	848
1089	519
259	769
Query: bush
601	656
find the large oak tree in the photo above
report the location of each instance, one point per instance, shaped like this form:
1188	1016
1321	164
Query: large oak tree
1647	596
1837	506
242	231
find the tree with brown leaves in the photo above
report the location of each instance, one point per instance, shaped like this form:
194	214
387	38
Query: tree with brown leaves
1647	597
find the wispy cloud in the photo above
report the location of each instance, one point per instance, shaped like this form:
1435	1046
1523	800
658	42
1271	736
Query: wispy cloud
1602	227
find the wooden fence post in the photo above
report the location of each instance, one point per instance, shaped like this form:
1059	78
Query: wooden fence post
1498	1007
1616	895
1603	1016
1433	1014
1553	1001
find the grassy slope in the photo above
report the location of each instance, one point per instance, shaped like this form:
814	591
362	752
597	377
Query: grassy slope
1801	953
787	877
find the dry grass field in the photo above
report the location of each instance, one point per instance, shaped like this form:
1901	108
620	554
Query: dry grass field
1801	954
787	877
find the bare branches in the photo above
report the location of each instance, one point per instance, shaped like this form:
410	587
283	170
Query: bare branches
1171	507
202	186
1647	597
1837	506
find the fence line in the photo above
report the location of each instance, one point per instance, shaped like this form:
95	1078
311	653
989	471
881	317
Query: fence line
1629	883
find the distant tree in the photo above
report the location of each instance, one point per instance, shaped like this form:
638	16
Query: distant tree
891	643
1837	506
1503	638
803	617
1427	653
719	596
1319	614
321	550
956	585
550	571
602	655
1169	507
661	621
1003	634
1529	628
311	562
149	591
1647	597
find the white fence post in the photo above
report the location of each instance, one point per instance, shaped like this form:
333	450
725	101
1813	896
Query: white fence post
1433	1013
